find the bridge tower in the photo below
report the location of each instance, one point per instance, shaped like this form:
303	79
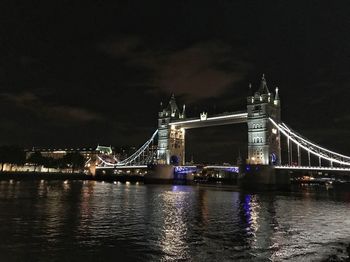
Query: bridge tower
171	139
264	146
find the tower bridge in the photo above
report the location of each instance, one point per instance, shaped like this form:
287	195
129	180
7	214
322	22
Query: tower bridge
263	137
265	132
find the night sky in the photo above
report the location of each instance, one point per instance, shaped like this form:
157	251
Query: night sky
79	73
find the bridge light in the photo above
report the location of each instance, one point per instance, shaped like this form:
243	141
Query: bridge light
274	131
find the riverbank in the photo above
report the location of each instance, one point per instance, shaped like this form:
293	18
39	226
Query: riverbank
222	184
109	178
67	176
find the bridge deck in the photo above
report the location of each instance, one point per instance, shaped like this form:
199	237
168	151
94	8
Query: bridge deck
122	167
314	168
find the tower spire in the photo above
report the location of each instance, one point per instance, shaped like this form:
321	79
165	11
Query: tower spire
172	107
263	86
276	101
250	91
276	95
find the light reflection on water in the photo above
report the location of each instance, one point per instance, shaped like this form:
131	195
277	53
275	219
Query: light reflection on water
89	221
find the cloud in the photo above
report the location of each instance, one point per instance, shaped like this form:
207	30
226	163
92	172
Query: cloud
123	47
201	70
65	114
69	113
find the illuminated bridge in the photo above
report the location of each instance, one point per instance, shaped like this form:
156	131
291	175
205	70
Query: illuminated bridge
266	132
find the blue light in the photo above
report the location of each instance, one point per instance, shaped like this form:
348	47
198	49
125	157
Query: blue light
184	169
247	208
273	158
233	169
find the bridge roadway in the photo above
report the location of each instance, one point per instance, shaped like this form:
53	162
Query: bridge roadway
188	169
313	168
234	169
179	169
216	120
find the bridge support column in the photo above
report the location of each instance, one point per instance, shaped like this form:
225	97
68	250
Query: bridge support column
288	145
291	154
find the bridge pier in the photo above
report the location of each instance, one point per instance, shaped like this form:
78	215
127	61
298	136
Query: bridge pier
262	177
163	174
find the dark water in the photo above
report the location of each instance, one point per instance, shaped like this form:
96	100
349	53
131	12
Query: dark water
95	221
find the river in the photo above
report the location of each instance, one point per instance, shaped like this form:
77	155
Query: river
96	221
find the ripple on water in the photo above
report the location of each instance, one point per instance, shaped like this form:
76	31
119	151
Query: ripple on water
53	220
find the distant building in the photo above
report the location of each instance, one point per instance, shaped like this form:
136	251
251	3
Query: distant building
90	154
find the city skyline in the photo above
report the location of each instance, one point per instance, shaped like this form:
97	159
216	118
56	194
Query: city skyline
103	70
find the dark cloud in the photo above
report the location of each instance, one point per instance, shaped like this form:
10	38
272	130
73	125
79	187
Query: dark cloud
62	114
104	67
199	71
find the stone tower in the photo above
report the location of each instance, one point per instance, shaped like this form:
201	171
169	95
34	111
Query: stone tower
171	139
264	146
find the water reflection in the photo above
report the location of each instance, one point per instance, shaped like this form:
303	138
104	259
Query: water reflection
174	227
91	220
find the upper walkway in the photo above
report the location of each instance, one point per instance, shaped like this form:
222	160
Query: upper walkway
215	120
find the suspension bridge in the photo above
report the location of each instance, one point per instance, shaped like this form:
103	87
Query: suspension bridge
166	146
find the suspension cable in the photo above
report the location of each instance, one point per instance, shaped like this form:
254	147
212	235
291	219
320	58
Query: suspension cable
302	145
284	126
134	156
